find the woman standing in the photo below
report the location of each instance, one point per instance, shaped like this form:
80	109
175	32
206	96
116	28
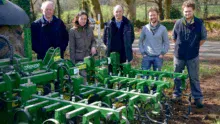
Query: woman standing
81	38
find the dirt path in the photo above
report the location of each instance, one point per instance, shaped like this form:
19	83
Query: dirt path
211	111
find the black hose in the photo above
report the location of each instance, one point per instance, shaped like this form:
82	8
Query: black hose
189	107
9	47
152	120
58	76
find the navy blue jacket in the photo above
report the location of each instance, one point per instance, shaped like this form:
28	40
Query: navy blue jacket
128	37
188	38
46	35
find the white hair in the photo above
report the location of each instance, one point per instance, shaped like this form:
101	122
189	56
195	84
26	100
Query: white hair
44	4
118	6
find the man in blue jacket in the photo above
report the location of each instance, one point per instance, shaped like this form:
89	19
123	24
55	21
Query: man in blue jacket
48	31
189	34
119	35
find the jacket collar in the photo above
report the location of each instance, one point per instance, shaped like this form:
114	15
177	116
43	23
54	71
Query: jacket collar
185	22
45	22
124	20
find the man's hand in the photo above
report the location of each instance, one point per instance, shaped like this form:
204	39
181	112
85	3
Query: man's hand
161	56
93	51
174	41
201	42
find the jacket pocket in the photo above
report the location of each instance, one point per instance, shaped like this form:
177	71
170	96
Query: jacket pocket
79	42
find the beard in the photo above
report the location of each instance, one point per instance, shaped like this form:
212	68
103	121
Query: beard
153	21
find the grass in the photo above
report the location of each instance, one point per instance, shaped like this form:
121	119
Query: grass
206	69
217	121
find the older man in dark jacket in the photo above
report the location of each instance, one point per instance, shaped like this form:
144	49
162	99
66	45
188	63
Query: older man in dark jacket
48	31
119	35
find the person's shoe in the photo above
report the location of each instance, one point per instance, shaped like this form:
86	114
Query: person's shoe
198	104
176	98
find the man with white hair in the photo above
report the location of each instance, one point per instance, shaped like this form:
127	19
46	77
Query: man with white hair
48	31
119	35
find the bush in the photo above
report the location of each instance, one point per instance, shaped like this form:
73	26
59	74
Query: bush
139	23
210	25
175	13
167	23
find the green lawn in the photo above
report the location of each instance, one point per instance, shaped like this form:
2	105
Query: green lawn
206	69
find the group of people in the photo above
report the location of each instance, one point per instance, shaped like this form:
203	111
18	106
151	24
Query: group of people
188	35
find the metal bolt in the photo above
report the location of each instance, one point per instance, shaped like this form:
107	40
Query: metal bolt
151	92
73	99
127	88
61	96
113	106
100	104
165	79
145	77
119	74
116	87
39	93
49	95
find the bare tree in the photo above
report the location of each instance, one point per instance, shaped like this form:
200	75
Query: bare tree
59	10
96	9
131	9
205	16
167	7
160	7
198	7
32	10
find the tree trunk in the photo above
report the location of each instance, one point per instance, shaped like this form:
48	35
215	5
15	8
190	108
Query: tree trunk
33	17
198	7
205	16
160	6
131	10
145	11
59	11
96	9
86	7
167	7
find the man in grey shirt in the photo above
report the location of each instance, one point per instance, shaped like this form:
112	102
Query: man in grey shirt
154	42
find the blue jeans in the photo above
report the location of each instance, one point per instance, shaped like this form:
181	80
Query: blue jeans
193	72
154	61
149	61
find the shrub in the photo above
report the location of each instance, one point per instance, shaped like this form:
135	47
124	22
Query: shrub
175	13
139	23
167	23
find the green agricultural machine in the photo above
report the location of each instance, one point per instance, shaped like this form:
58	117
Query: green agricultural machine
51	91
